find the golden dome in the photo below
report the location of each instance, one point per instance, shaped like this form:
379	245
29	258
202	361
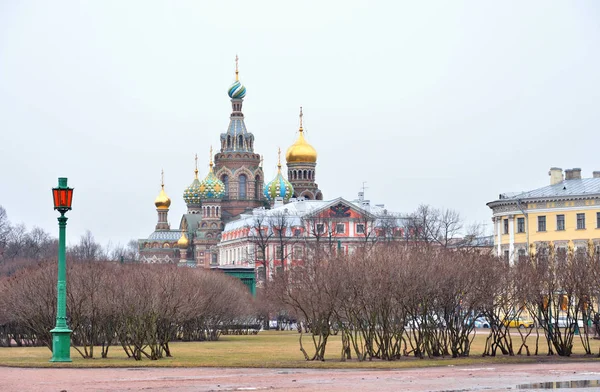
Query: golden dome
301	151
183	241
162	201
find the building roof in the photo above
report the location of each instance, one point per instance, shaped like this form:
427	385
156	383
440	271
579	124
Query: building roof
568	188
165	235
192	221
295	211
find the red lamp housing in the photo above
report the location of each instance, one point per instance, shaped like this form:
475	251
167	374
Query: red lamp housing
63	196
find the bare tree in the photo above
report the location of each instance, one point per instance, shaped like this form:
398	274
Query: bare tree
432	226
259	235
87	249
4	230
283	236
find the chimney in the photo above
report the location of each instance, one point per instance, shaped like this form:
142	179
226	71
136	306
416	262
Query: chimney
576	173
568	174
278	202
556	175
596	174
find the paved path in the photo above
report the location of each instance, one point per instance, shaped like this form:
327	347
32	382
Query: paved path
447	378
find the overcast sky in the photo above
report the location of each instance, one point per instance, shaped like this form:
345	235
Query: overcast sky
446	103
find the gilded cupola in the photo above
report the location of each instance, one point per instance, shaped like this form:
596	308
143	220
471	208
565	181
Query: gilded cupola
162	201
183	241
301	151
279	186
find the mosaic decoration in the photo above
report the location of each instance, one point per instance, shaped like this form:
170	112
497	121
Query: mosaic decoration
191	195
211	187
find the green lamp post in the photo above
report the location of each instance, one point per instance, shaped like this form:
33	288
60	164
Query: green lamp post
61	334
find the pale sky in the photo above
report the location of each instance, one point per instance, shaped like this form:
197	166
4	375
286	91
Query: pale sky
445	103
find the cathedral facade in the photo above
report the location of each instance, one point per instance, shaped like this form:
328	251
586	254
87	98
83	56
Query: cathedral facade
234	185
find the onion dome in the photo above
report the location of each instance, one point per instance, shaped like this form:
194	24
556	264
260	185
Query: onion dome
279	186
183	241
162	201
301	151
237	89
211	187
191	195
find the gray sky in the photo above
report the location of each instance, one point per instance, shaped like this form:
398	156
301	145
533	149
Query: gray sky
444	103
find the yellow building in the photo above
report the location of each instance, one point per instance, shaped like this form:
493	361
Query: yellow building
566	212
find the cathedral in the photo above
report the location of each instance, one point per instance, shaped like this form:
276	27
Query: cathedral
235	185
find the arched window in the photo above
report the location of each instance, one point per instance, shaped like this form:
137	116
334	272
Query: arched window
225	180
257	187
242	186
228	141
240	142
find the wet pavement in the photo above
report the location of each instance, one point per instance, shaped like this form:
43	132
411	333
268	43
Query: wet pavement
580	376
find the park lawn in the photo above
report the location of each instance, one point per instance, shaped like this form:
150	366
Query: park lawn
273	349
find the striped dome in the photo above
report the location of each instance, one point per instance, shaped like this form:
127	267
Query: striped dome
279	187
237	90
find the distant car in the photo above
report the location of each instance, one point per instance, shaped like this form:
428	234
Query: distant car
481	322
519	322
562	322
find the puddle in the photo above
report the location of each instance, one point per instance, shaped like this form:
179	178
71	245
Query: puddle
561	384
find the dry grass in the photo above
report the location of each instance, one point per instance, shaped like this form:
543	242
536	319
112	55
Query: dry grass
273	350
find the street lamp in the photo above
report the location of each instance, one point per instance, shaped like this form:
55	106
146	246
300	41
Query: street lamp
61	334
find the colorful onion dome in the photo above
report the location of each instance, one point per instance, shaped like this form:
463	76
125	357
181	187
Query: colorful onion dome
191	195
237	89
279	186
162	201
211	187
183	241
301	151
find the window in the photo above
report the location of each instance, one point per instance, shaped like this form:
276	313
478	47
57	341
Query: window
340	228
320	228
278	255
360	228
505	226
598	220
297	232
541	223
580	221
261	275
520	225
260	254
225	180
257	187
298	253
506	255
242	186
521	252
560	222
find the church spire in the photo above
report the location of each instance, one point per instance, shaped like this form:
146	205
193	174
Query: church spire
237	138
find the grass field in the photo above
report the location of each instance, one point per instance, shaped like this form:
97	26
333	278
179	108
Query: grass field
272	349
